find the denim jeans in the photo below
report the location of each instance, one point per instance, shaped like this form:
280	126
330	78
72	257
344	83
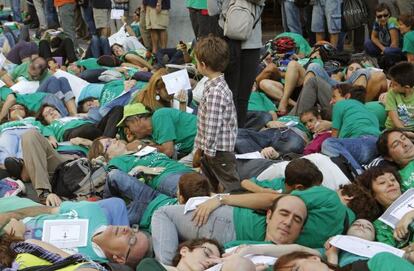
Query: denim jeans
15	6
57	86
99	46
51	15
138	194
372	49
168	184
283	140
256	120
291	17
51	99
327	13
87	15
170	226
174	56
357	151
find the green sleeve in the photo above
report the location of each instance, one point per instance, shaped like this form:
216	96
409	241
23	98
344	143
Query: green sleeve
384	233
408	45
385	261
47	131
4	92
337	116
391	102
164	131
19	70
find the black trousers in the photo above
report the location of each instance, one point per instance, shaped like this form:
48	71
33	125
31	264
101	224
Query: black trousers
240	75
65	50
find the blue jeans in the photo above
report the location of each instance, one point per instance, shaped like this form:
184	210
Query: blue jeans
372	49
139	195
174	56
168	184
319	71
291	17
327	12
283	140
100	46
256	120
56	102
87	15
60	87
357	151
51	15
15	6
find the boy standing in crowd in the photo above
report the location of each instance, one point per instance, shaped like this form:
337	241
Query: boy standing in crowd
217	119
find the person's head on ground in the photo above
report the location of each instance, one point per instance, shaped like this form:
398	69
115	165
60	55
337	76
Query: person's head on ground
382	13
347	91
137	14
74	69
107	147
52	64
360	201
123	244
352	67
7	254
117	49
402	79
395	146
362	228
192	185
301	174
155	95
197	254
138	119
238	263
37	68
212	54
47	114
383	183
86	104
302	261
405	23
17	112
311	118
285	219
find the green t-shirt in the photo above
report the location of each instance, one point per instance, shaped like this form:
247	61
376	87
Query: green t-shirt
327	216
150	264
4	92
26	122
408	44
155	159
258	101
8	204
275	184
299	124
378	110
89	63
351	118
404	106
385	261
159	201
196	4
385	234
302	45
407	177
32	101
111	91
58	127
249	224
22	71
169	124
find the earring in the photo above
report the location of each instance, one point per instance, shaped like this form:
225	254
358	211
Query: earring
157	97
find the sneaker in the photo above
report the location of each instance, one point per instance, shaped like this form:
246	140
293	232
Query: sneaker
16	187
14	166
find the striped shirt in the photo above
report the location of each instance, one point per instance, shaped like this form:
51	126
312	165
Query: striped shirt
217	118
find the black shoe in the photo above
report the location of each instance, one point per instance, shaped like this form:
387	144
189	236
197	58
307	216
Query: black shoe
14	166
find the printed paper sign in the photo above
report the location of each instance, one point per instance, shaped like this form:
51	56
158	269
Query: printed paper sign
25	87
403	205
116	14
66	233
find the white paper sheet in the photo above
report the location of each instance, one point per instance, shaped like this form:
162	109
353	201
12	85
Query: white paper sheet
117	14
145	151
176	81
2	60
176	105
25	87
76	83
192	203
363	247
2	84
66	233
250	155
403	205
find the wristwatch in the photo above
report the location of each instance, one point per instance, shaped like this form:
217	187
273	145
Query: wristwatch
220	198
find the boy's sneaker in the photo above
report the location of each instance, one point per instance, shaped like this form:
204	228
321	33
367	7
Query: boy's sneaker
16	187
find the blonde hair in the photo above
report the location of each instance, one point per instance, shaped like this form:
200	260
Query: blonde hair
147	96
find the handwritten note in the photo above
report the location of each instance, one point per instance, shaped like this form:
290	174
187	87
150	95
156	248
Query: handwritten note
116	14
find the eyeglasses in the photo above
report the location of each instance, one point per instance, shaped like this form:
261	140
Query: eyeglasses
379	16
132	240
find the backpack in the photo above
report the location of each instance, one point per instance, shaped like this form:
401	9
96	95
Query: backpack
239	18
78	179
354	14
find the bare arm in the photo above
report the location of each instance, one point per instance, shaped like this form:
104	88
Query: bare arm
273	250
395	119
9	102
27	212
137	60
166	148
7	80
334	132
395	42
410	58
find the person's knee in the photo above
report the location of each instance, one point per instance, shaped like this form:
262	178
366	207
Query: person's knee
30	136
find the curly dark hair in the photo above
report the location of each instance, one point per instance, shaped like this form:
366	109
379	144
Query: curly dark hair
7	255
362	203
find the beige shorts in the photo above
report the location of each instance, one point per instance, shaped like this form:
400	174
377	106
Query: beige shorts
101	17
156	20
